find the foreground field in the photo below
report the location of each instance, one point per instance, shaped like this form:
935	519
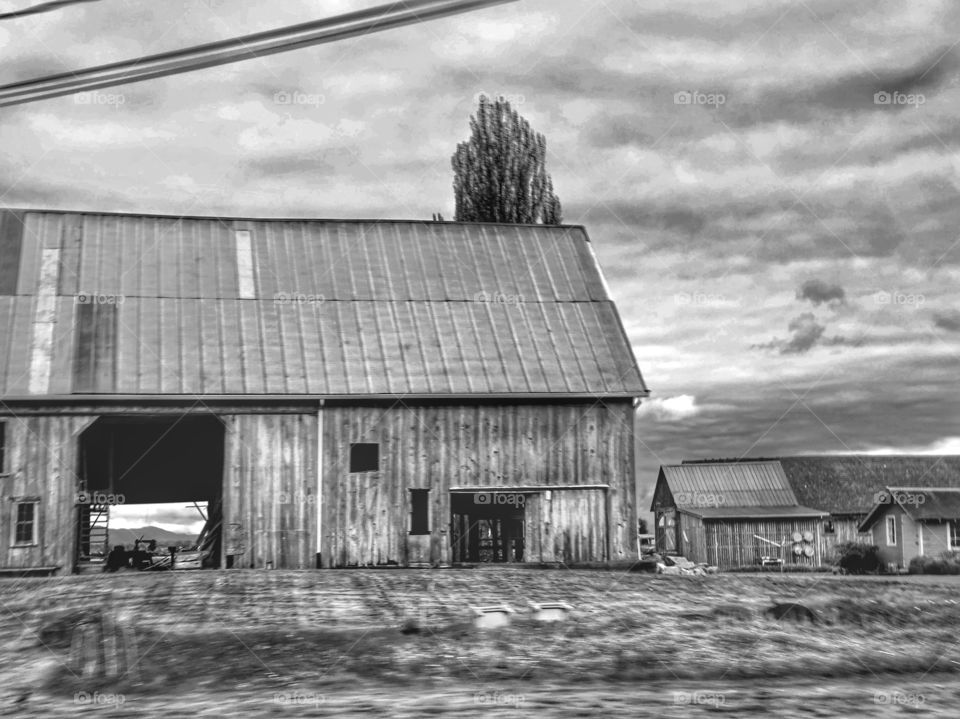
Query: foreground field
329	644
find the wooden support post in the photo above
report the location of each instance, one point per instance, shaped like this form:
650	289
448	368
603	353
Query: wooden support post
319	501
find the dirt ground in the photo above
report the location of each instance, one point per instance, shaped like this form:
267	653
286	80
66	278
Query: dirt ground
330	644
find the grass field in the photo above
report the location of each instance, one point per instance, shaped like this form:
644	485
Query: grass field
313	641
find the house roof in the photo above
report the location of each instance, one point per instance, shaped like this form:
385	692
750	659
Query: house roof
920	503
111	304
754	512
849	484
695	487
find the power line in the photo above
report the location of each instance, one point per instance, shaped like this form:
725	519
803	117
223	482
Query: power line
223	52
42	7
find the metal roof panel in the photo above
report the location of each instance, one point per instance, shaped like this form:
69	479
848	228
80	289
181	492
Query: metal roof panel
375	307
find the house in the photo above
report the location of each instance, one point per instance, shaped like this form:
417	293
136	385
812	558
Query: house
908	522
846	486
338	393
732	514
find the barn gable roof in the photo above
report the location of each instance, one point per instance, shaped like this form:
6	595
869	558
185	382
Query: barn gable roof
789	512
724	485
112	304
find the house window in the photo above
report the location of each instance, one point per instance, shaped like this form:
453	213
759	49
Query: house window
891	531
364	457
25	523
828	527
419	511
953	531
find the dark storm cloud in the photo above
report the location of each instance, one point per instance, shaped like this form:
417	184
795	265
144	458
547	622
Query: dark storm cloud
764	418
298	162
806	332
820	292
949	321
619	131
855	93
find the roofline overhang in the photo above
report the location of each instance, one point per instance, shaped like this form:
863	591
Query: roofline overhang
248	218
751	515
302	398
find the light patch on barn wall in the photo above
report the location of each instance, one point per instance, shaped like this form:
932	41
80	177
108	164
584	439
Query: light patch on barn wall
246	286
43	322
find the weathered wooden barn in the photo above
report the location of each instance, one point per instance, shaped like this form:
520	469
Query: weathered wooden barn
729	514
908	522
340	393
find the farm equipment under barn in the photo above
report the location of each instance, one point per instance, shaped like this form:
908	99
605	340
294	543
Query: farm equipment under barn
147	556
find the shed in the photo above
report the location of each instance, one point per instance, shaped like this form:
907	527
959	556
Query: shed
340	393
730	514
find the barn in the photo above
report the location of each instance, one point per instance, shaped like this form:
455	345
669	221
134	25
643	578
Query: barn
728	514
336	393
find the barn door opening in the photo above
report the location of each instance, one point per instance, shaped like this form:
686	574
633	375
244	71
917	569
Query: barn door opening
150	478
487	527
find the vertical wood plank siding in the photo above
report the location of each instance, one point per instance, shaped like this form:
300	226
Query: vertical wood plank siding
270	481
365	515
845	529
731	543
269	502
42	461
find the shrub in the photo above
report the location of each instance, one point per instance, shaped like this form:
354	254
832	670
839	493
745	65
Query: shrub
945	563
857	558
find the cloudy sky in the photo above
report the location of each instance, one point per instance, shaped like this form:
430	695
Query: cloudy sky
772	186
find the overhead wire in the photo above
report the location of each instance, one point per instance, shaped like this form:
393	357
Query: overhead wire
41	8
223	52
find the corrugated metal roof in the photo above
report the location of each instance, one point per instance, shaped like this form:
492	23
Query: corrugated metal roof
309	307
751	484
754	512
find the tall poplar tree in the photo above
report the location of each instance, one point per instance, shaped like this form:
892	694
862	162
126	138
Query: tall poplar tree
500	172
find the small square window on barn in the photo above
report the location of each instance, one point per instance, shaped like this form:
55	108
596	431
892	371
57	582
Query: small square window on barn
891	531
828	527
419	511
364	457
25	523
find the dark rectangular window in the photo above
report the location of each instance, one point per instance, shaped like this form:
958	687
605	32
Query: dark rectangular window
25	530
891	531
419	511
953	529
364	457
3	447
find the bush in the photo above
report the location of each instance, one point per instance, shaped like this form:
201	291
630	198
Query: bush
945	563
857	558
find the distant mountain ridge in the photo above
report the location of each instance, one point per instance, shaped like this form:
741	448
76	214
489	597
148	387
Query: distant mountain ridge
164	537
